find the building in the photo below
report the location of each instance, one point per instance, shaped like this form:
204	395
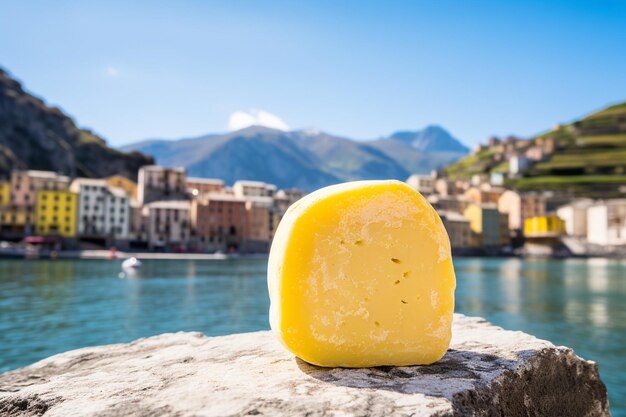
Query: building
424	184
448	203
19	215
517	164
446	187
157	183
243	189
129	186
488	226
484	194
103	211
496	178
518	207
5	193
575	217
138	226
219	222
543	226
56	213
606	222
168	224
285	198
458	228
200	186
260	223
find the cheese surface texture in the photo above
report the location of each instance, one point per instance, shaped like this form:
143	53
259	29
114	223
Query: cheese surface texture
360	274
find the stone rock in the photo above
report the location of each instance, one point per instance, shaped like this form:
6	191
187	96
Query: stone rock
487	371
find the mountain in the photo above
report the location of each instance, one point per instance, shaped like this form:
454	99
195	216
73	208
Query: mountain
307	159
587	156
36	136
431	139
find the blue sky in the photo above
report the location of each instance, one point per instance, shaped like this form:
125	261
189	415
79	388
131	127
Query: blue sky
355	68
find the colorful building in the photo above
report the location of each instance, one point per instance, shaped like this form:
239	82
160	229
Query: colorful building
157	183
489	227
606	222
574	215
103	211
56	213
129	186
5	194
484	194
168	223
19	217
219	222
424	184
544	226
458	228
201	186
518	207
243	189
260	223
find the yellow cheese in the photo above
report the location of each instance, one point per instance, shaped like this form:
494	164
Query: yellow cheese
360	274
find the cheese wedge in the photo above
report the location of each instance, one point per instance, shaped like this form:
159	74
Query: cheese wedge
360	274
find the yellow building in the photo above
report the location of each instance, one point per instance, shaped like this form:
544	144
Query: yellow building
540	226
488	226
56	213
5	193
125	184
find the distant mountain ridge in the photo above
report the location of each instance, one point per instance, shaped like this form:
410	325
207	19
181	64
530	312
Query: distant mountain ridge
34	135
432	138
307	158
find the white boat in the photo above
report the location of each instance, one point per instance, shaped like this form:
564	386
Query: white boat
131	263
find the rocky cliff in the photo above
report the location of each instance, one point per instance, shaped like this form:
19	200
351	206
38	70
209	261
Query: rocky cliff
36	136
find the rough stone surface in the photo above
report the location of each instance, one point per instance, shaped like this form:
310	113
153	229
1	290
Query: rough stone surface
487	372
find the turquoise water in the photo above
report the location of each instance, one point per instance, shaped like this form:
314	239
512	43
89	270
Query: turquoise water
47	307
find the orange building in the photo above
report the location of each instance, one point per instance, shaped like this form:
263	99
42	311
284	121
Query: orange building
219	222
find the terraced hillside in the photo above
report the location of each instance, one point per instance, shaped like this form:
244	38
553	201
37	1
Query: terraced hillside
584	157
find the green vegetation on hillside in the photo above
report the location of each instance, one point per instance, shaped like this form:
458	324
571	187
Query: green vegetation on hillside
585	157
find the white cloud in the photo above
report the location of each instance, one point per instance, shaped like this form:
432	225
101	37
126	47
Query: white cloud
111	71
241	119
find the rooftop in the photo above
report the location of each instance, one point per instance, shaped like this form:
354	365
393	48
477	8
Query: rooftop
171	204
215	181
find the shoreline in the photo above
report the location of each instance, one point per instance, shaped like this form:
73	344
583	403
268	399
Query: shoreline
172	256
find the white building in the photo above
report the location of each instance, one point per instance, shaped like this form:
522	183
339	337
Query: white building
167	223
157	183
517	164
606	222
103	211
425	184
575	217
243	189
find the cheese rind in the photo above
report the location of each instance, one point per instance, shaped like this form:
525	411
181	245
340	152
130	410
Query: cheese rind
360	274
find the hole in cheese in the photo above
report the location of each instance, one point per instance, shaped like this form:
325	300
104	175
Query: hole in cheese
395	260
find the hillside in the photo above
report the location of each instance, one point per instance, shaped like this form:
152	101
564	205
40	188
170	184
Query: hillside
36	136
587	156
306	159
